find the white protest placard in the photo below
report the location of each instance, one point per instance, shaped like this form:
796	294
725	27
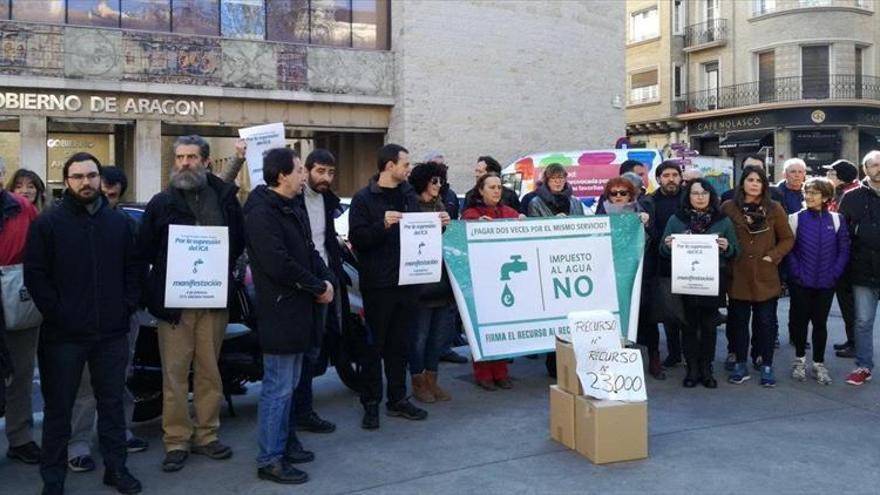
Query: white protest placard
260	139
421	248
695	264
613	374
197	274
600	328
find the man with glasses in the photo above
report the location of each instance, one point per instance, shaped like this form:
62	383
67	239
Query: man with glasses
81	271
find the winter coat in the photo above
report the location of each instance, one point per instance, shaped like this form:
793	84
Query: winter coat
752	278
861	208
721	225
378	248
540	205
16	215
288	272
820	254
509	197
169	207
792	201
496	212
839	191
82	272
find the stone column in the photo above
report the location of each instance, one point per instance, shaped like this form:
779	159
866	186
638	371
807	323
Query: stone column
33	153
781	152
849	149
147	159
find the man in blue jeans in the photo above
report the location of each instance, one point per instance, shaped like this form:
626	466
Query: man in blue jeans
861	208
293	287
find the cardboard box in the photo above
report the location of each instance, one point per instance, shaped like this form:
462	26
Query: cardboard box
566	368
562	416
611	431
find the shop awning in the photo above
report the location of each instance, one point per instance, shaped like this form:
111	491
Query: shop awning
744	139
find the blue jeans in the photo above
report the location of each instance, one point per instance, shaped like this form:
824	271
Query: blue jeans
763	324
429	334
280	377
866	310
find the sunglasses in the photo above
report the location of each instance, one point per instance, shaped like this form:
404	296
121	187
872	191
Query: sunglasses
436	181
618	192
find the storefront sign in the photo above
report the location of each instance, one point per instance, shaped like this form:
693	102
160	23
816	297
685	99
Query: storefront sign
197	275
729	124
515	282
101	104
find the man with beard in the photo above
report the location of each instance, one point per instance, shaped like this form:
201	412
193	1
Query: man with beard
322	206
82	273
189	337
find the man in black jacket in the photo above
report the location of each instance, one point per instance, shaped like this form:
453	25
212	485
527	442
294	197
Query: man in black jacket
861	208
321	205
374	232
81	270
189	337
293	288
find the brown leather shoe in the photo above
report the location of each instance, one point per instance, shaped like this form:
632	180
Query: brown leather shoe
487	385
435	389
421	390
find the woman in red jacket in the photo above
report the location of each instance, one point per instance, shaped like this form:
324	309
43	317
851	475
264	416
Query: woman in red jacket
486	205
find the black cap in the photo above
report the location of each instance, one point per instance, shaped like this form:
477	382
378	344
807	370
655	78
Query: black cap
845	170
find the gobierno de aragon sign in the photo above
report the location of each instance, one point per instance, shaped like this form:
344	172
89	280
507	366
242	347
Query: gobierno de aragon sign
101	104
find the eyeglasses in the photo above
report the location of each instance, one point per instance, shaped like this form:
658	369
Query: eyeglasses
699	193
436	181
557	177
619	192
80	177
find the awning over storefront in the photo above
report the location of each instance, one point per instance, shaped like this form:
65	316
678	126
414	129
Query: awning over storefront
744	139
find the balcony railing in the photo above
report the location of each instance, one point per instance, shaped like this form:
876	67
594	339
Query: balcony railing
783	89
705	33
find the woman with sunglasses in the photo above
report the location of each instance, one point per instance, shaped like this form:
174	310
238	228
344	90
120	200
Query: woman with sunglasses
701	214
433	318
764	237
486	205
622	197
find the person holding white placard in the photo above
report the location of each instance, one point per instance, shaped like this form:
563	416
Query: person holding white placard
189	337
700	214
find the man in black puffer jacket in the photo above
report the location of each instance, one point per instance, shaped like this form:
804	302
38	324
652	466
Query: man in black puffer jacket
81	270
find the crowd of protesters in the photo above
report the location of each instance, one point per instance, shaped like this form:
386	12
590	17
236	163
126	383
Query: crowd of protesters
89	267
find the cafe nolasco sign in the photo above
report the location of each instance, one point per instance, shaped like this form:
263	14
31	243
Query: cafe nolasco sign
100	105
810	116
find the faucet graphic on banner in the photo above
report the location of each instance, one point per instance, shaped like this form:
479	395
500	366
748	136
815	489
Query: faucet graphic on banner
515	265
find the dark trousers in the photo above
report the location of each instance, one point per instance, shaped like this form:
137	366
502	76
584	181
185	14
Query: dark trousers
389	313
699	335
649	335
730	332
847	305
809	306
61	369
762	315
673	339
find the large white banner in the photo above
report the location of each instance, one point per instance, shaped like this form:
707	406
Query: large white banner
421	248
260	139
197	274
695	264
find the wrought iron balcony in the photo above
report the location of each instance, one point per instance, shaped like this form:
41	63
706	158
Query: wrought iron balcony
705	32
782	89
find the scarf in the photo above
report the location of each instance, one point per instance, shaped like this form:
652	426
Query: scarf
756	218
698	221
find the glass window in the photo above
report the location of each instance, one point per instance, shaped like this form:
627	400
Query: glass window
644	25
331	22
243	19
288	20
38	10
196	17
677	16
103	13
644	87
368	24
146	15
677	81
4	9
764	6
814	71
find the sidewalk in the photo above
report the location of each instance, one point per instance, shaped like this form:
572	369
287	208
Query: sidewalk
799	437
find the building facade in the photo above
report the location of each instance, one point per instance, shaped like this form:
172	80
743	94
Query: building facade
123	78
782	78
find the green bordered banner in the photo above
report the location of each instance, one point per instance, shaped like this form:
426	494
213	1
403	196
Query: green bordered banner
515	281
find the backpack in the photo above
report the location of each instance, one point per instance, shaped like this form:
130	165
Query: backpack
793	221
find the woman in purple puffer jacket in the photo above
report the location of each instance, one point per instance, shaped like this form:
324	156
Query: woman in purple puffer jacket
818	259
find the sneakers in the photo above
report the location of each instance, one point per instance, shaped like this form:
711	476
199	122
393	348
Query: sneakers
28	453
371	416
122	480
405	409
282	473
820	373
799	369
846	352
135	444
174	460
859	376
81	464
739	374
215	450
730	362
315	424
768	379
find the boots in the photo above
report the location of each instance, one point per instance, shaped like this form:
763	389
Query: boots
693	375
435	389
421	389
655	368
706	377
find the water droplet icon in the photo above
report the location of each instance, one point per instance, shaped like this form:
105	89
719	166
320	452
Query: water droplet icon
507	298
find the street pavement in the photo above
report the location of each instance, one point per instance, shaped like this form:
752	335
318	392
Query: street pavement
796	438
